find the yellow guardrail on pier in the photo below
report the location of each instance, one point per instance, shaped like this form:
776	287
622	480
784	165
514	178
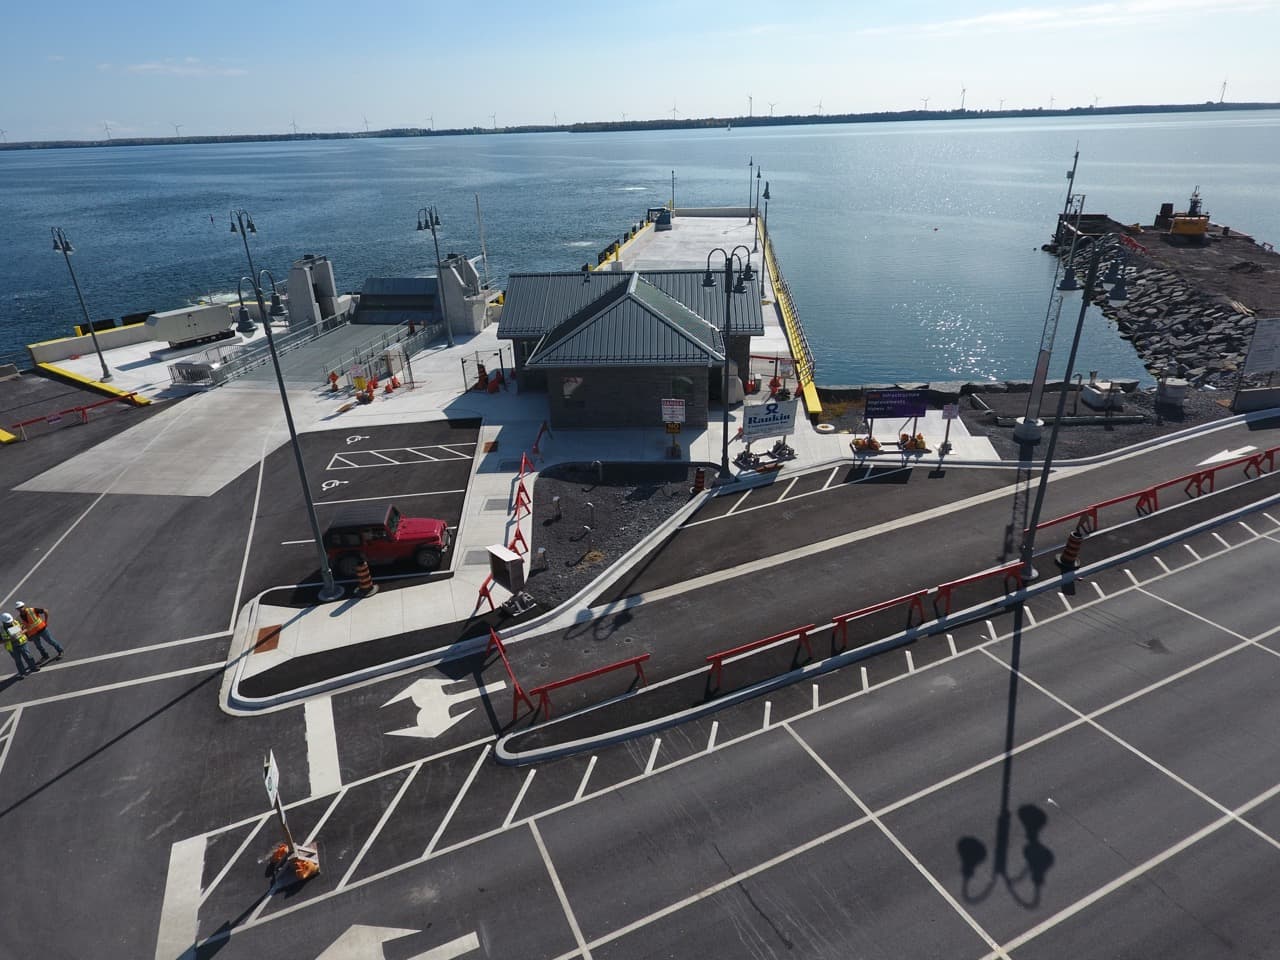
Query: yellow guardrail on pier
614	252
98	386
800	351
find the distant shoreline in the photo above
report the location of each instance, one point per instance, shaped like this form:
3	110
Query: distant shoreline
611	126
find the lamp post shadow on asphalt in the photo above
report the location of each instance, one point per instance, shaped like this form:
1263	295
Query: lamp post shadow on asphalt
1116	295
242	223
63	246
429	219
745	275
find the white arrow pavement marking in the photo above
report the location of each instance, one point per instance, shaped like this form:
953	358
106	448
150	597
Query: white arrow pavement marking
360	942
433	705
1226	455
454	948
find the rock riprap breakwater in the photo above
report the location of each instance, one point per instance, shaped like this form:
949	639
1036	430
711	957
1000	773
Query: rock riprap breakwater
1191	309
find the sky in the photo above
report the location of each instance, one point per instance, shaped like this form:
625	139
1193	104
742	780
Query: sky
140	67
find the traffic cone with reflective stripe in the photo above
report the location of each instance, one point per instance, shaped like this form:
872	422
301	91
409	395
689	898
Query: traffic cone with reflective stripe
1071	552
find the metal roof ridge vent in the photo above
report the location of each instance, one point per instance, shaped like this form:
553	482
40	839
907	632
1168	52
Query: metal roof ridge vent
631	283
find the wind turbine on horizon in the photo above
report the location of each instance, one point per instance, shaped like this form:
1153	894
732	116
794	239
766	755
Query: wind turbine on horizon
750	105
674	109
1096	98
3	135
1002	103
493	118
925	101
555	119
177	130
107	127
771	106
294	124
963	91
366	122
431	122
1223	93
818	106
1051	101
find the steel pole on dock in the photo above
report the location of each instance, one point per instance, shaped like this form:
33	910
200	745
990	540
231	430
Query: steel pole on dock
329	589
63	246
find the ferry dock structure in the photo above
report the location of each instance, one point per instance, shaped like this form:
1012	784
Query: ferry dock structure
169	543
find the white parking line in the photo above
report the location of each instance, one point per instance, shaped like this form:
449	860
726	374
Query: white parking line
377	829
586	775
830	477
787	492
951	643
1065	602
393	496
1132	579
902	848
515	804
322	746
324	818
1141	869
1098	590
226	867
457	801
1192	551
768	708
1031	617
653	755
1252	532
1217	536
1191	613
911	663
865	684
1163	566
180	910
815	696
564	900
711	740
737	503
108	687
7	731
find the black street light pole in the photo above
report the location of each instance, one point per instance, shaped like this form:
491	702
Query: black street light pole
751	162
755	237
63	246
429	219
1117	293
730	288
329	590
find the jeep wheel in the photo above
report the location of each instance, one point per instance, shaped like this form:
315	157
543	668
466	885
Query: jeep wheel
347	564
428	558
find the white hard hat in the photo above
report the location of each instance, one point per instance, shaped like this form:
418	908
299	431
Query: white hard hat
6	618
19	604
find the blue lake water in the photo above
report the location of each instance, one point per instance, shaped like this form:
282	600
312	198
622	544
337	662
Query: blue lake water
912	248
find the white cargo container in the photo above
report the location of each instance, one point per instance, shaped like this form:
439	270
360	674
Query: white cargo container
191	324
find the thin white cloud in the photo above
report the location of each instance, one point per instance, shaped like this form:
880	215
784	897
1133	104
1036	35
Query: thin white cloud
185	67
1121	12
55	57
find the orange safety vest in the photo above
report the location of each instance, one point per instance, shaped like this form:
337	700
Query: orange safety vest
31	619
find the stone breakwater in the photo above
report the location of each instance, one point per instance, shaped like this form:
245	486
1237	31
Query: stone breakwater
1177	328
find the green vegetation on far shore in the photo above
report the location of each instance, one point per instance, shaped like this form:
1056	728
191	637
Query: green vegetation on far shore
688	123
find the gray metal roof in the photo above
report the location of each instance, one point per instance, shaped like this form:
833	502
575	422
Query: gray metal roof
537	302
634	324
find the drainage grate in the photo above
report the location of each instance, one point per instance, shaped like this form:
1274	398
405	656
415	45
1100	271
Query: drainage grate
475	558
497	505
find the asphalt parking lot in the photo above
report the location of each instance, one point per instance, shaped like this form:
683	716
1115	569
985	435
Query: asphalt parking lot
422	468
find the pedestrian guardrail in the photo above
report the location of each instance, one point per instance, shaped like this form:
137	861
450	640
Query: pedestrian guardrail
543	693
80	414
1147	500
518	696
716	660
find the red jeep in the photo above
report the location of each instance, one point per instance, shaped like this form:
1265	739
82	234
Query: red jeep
381	534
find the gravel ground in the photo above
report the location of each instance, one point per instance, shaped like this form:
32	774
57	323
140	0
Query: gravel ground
1201	406
633	499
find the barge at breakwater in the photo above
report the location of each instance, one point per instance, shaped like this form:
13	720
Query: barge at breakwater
1195	288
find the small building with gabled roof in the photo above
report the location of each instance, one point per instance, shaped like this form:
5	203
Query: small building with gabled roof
609	346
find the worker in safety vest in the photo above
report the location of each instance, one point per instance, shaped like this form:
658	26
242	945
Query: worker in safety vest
35	624
15	641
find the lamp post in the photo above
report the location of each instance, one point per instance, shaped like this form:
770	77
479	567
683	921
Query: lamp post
755	237
730	288
1117	294
751	162
63	246
765	229
429	219
329	590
